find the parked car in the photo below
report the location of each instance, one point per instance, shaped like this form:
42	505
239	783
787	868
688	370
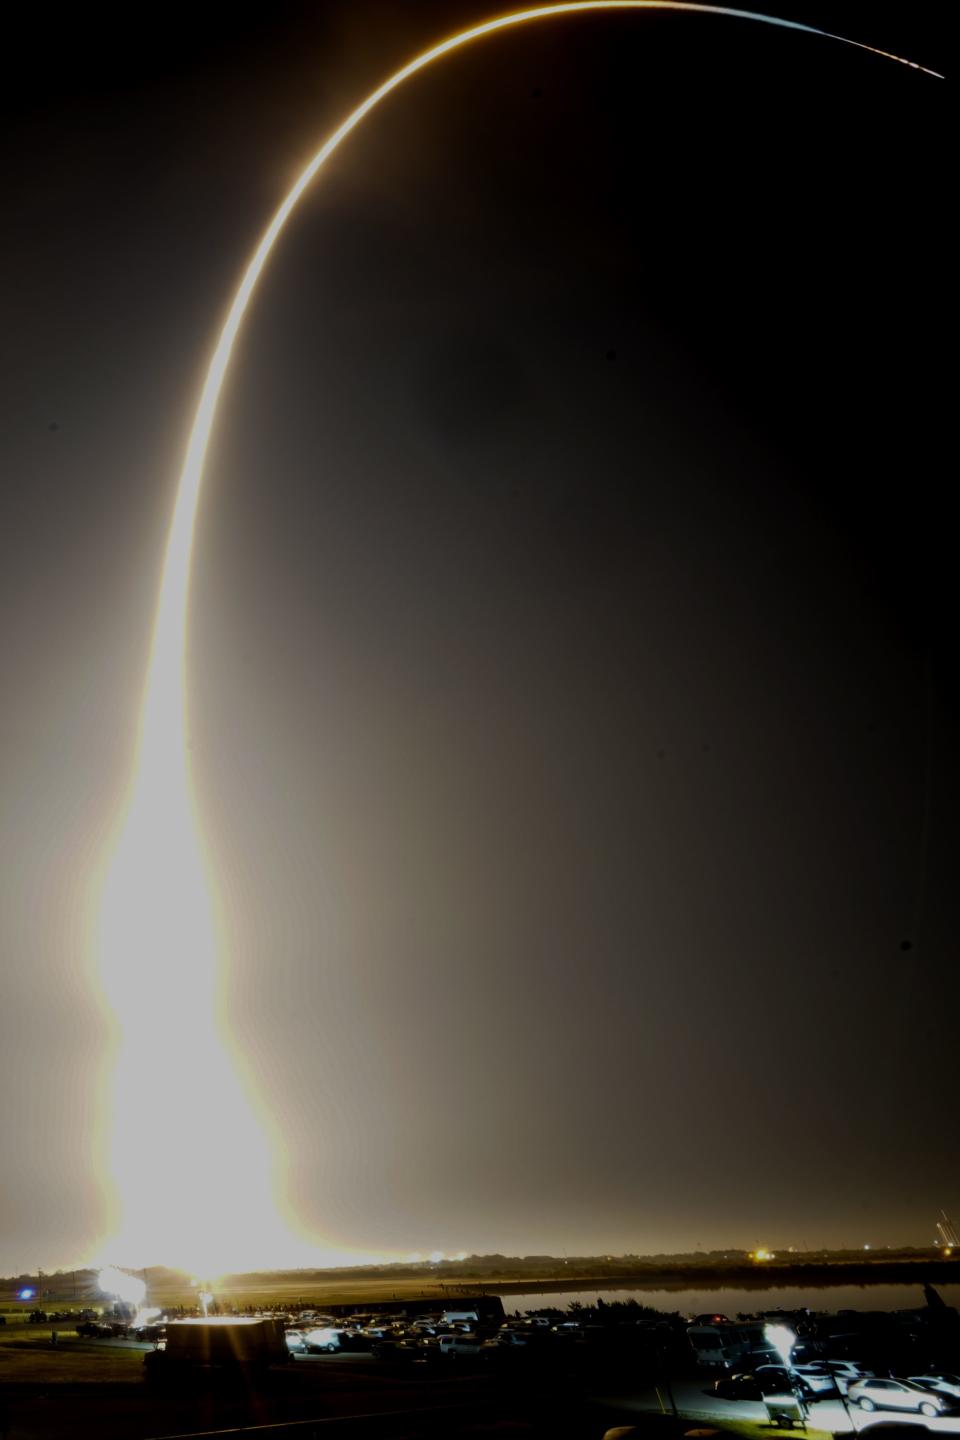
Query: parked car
401	1351
842	1372
95	1330
515	1337
940	1381
821	1381
151	1333
459	1344
777	1380
736	1387
329	1340
878	1394
852	1369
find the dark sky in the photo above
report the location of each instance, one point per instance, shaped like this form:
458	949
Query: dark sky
574	682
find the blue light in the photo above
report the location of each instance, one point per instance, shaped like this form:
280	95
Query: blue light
26	1293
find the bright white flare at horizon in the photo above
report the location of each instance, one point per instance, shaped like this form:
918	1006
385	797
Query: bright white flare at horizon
122	1285
193	1172
131	1290
191	1166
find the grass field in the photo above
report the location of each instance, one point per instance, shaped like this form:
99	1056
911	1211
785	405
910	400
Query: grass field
168	1288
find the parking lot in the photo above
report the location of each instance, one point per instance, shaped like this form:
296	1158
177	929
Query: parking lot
694	1399
607	1366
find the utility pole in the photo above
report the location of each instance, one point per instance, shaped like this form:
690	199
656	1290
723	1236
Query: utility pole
843	1399
665	1375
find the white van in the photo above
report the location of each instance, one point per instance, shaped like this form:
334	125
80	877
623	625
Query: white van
459	1344
717	1347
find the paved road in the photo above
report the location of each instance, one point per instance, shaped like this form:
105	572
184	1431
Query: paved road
692	1397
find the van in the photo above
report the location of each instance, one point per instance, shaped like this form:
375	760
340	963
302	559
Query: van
459	1344
717	1347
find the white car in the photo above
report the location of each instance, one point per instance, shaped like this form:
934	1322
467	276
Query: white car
325	1338
818	1377
874	1394
852	1369
829	1376
940	1381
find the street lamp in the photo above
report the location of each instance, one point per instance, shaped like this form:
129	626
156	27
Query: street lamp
782	1339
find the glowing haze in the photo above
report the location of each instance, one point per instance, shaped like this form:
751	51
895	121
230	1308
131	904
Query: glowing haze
196	1173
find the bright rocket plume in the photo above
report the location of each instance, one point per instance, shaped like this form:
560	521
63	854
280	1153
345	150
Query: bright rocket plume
192	1167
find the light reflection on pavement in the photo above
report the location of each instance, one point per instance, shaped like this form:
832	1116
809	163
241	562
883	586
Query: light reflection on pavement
693	1399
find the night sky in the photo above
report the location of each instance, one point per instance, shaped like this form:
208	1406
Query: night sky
573	666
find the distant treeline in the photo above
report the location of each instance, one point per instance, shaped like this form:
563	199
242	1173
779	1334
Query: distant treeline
702	1268
721	1267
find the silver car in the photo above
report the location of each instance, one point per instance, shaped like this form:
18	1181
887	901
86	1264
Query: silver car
818	1377
896	1395
828	1375
940	1381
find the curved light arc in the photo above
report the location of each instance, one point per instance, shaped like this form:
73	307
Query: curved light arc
159	925
172	608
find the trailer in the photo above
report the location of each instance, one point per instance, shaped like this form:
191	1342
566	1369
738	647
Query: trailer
222	1343
785	1411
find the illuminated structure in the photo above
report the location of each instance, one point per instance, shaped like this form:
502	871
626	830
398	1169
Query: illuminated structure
196	1177
947	1232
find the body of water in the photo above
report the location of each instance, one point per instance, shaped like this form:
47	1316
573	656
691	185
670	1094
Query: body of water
731	1301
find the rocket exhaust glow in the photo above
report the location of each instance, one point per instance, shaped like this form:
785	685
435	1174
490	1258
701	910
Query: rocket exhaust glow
191	1164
